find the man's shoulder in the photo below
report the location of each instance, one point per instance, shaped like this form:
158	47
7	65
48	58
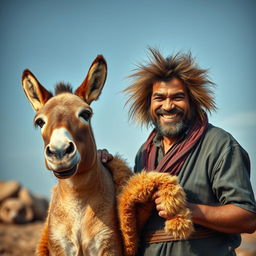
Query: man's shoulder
218	137
213	130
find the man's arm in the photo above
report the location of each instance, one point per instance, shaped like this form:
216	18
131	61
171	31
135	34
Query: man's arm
227	218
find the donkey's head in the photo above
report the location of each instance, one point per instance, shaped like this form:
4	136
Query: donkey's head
64	120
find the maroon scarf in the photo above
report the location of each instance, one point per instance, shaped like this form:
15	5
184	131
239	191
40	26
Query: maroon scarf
173	161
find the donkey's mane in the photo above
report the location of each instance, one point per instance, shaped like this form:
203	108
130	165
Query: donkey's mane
62	87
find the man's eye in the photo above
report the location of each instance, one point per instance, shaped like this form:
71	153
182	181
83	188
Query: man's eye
158	98
39	122
179	98
85	114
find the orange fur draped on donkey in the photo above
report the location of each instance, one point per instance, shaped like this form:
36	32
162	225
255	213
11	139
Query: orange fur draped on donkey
83	218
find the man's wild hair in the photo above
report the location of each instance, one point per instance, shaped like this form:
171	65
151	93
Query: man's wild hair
181	66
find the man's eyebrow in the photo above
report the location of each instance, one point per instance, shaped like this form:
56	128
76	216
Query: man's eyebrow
178	94
156	94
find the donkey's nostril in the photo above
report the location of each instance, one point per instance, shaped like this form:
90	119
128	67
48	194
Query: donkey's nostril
49	152
70	149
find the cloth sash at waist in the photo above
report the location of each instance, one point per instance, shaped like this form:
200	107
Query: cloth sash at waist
161	236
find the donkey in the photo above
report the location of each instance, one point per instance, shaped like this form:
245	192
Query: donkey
82	217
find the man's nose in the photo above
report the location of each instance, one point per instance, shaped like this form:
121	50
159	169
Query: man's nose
168	105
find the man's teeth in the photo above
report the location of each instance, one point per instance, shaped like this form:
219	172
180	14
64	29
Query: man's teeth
169	116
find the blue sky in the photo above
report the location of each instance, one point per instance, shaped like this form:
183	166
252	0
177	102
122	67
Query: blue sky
57	40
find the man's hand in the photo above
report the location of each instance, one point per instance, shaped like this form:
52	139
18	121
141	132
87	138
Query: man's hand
104	155
159	206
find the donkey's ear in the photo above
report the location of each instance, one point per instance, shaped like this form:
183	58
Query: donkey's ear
92	85
35	92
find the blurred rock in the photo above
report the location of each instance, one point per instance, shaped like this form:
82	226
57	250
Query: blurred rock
38	204
14	210
8	189
18	205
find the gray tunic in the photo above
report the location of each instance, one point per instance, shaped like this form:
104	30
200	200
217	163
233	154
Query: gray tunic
217	172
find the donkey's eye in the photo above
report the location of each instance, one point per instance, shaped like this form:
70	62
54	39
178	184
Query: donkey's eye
39	122
85	114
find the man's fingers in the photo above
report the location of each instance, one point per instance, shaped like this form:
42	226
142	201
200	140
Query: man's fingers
158	200
159	207
163	214
104	155
155	196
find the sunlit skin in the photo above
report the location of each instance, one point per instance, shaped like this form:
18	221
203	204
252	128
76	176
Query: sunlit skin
226	218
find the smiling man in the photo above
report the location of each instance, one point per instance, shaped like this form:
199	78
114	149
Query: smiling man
174	95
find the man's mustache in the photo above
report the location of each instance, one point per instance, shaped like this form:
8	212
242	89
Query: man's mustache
170	112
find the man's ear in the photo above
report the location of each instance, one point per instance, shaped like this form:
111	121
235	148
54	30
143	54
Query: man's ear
92	85
35	92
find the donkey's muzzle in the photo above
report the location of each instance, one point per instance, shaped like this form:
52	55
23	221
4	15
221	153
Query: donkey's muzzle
60	153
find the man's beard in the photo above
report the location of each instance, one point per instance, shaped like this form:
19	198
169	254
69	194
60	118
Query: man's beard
172	129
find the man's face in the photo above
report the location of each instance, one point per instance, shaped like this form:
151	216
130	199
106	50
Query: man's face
170	108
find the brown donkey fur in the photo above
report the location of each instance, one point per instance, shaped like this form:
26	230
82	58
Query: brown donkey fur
82	217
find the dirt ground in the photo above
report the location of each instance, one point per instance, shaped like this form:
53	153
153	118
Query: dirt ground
19	240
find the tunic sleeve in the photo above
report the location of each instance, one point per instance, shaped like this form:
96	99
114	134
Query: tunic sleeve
231	180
